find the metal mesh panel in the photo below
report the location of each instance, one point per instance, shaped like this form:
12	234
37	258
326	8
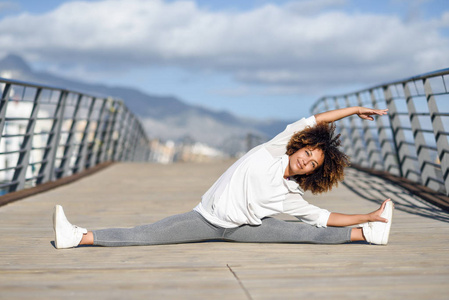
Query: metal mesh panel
49	133
413	141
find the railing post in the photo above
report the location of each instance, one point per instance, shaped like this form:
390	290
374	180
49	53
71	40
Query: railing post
134	140
438	129
107	155
104	133
47	169
140	153
387	162
27	144
427	171
129	138
80	163
343	130
96	147
358	142
68	149
397	134
372	149
120	145
116	131
4	106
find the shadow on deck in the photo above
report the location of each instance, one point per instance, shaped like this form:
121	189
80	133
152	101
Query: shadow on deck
373	188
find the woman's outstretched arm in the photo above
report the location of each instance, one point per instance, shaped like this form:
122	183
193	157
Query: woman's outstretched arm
362	112
342	220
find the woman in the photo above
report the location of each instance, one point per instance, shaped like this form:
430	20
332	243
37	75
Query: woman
268	180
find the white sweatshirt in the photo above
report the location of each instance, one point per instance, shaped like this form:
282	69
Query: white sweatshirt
254	187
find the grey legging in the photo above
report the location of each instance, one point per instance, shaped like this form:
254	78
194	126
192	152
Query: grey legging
192	227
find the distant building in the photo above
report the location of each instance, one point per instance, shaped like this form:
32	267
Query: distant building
12	138
169	151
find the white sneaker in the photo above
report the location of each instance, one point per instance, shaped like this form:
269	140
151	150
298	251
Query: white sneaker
66	234
378	232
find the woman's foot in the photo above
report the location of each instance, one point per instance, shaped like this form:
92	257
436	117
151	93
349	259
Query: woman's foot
66	234
378	232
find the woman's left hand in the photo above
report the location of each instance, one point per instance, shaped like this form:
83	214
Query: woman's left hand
375	215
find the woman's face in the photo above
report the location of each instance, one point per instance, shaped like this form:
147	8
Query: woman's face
305	161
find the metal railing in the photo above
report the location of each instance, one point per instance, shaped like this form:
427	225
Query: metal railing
413	141
48	133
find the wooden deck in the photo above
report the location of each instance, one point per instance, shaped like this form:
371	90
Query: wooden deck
415	264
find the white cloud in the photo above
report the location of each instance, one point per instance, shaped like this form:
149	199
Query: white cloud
299	43
445	19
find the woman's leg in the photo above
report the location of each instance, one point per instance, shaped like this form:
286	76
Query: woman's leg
357	235
183	228
277	231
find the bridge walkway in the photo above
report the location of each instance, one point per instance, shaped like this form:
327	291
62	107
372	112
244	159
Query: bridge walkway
415	264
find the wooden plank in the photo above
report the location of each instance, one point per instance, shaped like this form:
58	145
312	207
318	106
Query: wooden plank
415	264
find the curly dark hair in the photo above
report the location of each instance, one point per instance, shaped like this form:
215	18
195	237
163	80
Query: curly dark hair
331	171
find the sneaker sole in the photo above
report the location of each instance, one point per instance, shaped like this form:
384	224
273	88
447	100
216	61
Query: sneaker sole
389	216
55	217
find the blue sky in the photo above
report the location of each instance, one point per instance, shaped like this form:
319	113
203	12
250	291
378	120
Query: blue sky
254	58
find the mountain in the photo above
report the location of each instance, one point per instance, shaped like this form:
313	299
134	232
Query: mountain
14	63
163	117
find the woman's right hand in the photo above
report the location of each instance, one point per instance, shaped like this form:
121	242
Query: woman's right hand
366	113
338	114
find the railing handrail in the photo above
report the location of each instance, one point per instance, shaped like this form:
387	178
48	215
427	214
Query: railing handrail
86	129
55	88
402	146
435	73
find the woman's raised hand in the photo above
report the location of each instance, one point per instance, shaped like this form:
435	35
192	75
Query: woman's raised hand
338	114
366	113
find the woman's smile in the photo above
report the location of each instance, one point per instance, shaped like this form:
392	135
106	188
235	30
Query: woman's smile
299	164
304	162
